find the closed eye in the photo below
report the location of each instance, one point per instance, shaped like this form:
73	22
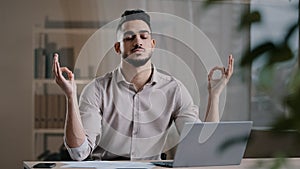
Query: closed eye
144	36
129	38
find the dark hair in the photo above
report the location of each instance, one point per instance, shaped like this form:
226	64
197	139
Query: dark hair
136	14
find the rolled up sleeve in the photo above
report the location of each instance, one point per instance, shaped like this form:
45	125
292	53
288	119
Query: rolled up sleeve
79	153
91	120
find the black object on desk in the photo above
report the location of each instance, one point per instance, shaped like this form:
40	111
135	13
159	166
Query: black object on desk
44	165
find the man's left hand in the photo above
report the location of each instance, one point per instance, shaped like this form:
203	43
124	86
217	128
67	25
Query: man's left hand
216	86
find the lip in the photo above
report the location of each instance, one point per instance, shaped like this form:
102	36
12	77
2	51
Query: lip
138	50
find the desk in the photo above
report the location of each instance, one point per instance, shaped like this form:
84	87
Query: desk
250	163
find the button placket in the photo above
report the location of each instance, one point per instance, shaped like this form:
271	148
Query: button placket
135	115
135	125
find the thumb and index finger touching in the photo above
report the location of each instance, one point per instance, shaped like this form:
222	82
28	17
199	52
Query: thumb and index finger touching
58	71
225	72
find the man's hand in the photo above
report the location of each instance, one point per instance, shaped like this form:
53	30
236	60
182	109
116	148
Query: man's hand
216	86
67	85
74	132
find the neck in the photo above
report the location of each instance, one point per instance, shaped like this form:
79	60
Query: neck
139	76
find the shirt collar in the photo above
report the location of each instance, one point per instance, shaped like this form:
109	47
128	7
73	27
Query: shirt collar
121	78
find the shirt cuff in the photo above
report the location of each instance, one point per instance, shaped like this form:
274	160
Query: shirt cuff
79	153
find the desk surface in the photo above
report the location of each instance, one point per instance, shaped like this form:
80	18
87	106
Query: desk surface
291	163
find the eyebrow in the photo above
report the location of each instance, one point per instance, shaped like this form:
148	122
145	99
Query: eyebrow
131	32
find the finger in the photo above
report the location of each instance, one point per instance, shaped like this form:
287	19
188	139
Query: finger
68	71
229	66
70	75
222	69
54	65
210	74
65	69
217	68
232	65
58	68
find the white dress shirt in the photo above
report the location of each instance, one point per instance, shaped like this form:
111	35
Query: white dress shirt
120	122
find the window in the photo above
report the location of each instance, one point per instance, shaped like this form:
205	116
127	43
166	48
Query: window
276	18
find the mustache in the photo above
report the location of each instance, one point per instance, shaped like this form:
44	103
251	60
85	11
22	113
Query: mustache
137	47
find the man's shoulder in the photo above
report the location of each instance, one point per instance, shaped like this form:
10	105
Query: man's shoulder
165	77
101	80
104	78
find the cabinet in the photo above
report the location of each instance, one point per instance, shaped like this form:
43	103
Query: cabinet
48	100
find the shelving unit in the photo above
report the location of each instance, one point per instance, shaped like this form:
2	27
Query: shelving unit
48	99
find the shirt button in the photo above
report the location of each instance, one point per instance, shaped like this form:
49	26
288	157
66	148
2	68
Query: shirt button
135	132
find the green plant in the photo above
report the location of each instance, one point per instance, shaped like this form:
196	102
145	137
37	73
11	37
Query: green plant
276	53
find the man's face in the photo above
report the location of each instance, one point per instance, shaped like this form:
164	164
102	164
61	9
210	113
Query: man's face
135	43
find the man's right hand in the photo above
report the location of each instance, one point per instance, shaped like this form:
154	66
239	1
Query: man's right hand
67	85
74	132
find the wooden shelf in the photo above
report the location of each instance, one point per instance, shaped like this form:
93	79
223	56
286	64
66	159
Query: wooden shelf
49	131
73	31
52	81
46	91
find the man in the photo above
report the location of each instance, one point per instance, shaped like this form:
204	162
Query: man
126	113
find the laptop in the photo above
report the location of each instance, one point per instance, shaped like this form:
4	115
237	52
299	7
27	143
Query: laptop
211	144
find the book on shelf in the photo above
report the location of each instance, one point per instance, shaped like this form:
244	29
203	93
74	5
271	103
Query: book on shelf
43	57
40	63
73	24
42	111
62	111
37	111
50	49
50	110
66	57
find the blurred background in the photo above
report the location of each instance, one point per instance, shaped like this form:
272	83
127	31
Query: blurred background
32	107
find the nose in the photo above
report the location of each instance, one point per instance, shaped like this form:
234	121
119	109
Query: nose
137	41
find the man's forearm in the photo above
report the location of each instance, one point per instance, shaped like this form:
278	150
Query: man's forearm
74	132
212	112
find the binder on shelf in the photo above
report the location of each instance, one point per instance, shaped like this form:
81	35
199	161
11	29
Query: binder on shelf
73	24
49	51
49	101
37	111
39	63
62	111
43	104
51	111
66	58
38	106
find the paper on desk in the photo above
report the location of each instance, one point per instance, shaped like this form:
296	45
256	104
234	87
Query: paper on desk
108	165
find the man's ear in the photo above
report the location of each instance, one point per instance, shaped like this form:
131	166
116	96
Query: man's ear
117	47
153	43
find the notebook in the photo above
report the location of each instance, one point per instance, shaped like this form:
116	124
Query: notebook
211	144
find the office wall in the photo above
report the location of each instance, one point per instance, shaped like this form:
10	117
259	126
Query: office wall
16	71
16	74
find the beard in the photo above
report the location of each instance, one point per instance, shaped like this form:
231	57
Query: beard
137	62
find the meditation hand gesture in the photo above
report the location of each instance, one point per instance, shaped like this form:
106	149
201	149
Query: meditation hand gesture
67	85
216	86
